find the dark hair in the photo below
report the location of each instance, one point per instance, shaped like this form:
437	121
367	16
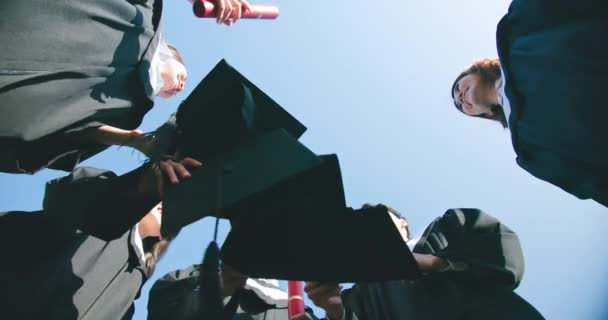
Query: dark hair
389	210
489	71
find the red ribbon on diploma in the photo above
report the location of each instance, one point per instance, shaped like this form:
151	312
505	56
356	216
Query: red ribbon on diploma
295	304
206	9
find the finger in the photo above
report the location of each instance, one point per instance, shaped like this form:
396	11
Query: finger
219	11
245	5
236	12
168	171
181	171
189	162
323	292
311	285
227	12
159	179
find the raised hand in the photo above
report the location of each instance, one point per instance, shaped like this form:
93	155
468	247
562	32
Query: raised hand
326	296
230	11
154	178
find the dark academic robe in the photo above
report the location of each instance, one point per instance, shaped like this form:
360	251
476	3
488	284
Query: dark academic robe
52	271
98	201
68	65
482	289
74	260
554	54
176	297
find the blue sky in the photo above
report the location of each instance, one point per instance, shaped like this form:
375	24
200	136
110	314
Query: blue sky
371	81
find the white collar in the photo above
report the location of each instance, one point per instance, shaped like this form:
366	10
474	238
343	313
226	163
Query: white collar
159	58
502	96
137	242
267	290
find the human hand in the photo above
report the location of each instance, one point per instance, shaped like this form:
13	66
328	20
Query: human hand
326	296
430	263
232	280
153	179
230	11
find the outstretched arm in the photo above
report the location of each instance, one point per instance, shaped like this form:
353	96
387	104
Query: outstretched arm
106	205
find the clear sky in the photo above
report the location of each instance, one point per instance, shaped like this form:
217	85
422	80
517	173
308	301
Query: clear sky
371	81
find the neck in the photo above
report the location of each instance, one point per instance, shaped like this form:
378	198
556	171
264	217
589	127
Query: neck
143	231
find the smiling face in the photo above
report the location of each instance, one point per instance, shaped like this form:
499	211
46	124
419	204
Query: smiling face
475	95
474	91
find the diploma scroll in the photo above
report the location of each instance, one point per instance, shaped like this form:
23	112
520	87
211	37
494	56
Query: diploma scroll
206	9
295	306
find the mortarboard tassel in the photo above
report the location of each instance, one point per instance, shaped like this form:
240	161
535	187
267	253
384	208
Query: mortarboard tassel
212	306
210	292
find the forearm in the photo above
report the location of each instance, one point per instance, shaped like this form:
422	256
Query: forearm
99	203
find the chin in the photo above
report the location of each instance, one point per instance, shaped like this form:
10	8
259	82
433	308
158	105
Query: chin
166	95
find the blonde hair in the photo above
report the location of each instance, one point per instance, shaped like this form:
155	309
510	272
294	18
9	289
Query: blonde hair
155	253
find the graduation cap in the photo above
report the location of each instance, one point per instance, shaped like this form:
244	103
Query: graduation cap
226	110
239	182
230	125
247	143
319	241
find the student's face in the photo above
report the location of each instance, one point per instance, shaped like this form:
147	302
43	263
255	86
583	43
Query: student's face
174	76
151	221
401	225
473	94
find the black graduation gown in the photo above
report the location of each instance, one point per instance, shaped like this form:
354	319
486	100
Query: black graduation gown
556	72
52	271
176	297
67	65
98	201
484	290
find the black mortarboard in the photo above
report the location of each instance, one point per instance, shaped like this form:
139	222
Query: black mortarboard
225	110
237	181
226	123
343	245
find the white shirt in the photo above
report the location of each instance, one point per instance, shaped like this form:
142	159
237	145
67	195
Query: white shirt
502	96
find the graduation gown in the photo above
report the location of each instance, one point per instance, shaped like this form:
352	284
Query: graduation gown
493	263
176	296
68	65
52	271
98	201
553	55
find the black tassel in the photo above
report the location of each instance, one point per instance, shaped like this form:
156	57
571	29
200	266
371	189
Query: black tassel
209	280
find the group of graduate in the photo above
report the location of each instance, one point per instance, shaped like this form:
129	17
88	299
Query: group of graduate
87	81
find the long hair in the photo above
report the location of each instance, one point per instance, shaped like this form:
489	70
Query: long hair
489	71
154	252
